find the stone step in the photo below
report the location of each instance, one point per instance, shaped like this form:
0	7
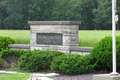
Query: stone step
43	76
40	78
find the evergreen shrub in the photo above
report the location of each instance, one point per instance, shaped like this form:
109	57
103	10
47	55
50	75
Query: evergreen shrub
8	52
1	62
12	57
37	60
101	54
56	62
71	64
4	41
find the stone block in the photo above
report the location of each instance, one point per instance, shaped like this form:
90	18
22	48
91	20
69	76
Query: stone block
74	38
34	26
32	41
105	77
66	31
53	47
32	36
74	31
70	35
45	27
56	27
34	30
32	48
74	27
70	27
66	40
18	49
86	53
83	49
19	46
40	78
37	45
73	52
64	48
43	76
73	42
66	52
40	48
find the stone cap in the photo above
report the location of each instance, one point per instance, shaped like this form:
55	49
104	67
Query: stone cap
54	22
85	49
20	46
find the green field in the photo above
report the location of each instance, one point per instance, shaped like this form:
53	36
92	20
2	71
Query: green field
21	36
87	38
14	76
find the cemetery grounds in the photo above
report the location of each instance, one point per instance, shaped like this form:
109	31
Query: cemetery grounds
87	38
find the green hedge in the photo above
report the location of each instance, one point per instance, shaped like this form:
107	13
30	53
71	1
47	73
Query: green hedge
1	62
72	64
4	41
38	60
12	57
8	52
102	54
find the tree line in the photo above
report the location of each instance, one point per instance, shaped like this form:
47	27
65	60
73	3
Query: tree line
93	14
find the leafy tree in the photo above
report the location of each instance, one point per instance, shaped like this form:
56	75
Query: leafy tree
3	13
103	15
11	14
75	10
40	10
93	14
118	13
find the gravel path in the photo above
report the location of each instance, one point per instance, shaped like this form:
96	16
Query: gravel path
75	77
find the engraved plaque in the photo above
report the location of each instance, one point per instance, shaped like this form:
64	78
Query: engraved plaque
49	38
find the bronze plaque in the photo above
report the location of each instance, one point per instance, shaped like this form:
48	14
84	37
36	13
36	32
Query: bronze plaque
49	38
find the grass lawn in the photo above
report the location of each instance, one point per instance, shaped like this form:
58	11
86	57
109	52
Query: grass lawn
14	76
87	38
21	36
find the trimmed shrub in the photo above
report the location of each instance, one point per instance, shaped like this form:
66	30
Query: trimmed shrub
56	62
71	64
12	57
38	60
4	41
8	52
102	54
1	62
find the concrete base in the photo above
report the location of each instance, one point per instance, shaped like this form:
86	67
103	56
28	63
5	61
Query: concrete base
105	77
43	76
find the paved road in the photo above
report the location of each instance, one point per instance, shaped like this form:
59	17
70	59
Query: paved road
75	77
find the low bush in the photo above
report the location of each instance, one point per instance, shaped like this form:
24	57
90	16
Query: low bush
12	57
38	60
56	62
4	41
71	64
8	52
1	62
101	54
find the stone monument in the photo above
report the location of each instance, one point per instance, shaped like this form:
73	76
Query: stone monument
54	35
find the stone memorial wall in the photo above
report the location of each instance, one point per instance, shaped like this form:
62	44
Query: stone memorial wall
54	35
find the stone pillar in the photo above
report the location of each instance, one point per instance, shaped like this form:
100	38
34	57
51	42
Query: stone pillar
54	35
